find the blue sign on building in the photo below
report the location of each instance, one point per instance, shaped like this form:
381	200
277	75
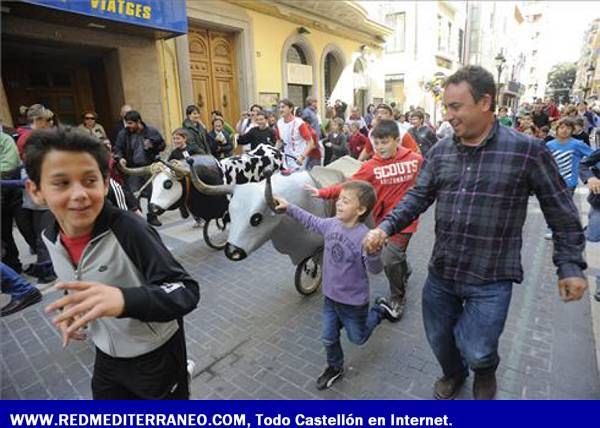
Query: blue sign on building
165	15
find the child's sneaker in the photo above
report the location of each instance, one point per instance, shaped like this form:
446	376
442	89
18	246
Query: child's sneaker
191	365
391	312
329	376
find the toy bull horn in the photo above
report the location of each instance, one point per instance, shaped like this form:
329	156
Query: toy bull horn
143	170
177	167
208	189
269	191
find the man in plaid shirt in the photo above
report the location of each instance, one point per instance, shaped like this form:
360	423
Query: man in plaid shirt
481	179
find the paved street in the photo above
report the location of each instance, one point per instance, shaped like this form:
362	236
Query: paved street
254	336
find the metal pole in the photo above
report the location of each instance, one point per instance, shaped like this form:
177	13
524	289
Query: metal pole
498	87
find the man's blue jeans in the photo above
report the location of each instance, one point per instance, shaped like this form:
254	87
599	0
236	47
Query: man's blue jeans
463	323
359	322
13	283
592	232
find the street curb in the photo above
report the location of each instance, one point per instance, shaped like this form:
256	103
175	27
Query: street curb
592	253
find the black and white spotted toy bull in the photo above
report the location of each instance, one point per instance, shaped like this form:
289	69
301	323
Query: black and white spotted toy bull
173	185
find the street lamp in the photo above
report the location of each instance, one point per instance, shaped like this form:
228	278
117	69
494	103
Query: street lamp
500	60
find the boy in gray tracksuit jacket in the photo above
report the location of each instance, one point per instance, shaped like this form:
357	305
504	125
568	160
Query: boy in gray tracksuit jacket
122	282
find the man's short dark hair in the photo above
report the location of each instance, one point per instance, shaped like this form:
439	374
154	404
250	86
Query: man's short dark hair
365	194
43	141
386	128
503	108
480	81
191	109
261	113
216	113
132	116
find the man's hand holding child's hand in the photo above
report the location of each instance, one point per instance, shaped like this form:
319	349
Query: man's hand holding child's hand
374	240
86	302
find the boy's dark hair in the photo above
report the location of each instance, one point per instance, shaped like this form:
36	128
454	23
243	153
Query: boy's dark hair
43	141
386	128
503	108
287	102
253	106
133	116
545	129
365	194
216	112
261	113
418	113
481	82
567	121
191	108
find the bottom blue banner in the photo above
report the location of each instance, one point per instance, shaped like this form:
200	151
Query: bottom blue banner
260	414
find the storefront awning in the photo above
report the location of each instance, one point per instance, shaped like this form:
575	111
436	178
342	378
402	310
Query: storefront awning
158	18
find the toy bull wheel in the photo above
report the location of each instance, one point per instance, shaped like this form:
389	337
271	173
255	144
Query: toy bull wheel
215	232
309	274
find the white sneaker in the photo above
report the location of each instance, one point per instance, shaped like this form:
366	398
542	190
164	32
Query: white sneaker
191	365
548	236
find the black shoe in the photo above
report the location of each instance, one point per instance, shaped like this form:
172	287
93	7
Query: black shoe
329	376
597	295
16	305
484	386
32	270
153	221
392	310
446	387
46	278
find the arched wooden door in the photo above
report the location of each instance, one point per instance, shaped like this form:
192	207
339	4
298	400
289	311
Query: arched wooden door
214	73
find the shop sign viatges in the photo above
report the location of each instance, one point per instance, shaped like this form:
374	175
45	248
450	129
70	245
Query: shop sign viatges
158	14
299	74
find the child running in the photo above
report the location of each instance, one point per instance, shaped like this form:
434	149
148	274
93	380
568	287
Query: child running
392	172
122	282
345	266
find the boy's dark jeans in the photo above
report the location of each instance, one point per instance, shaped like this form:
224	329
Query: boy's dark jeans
359	322
395	265
463	323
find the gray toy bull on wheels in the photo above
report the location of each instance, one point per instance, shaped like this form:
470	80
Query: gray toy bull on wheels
254	220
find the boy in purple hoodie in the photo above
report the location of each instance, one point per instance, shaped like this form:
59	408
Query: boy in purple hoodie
345	266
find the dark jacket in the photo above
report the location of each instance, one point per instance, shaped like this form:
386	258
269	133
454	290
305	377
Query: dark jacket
130	146
157	290
198	134
424	137
335	147
257	136
218	149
